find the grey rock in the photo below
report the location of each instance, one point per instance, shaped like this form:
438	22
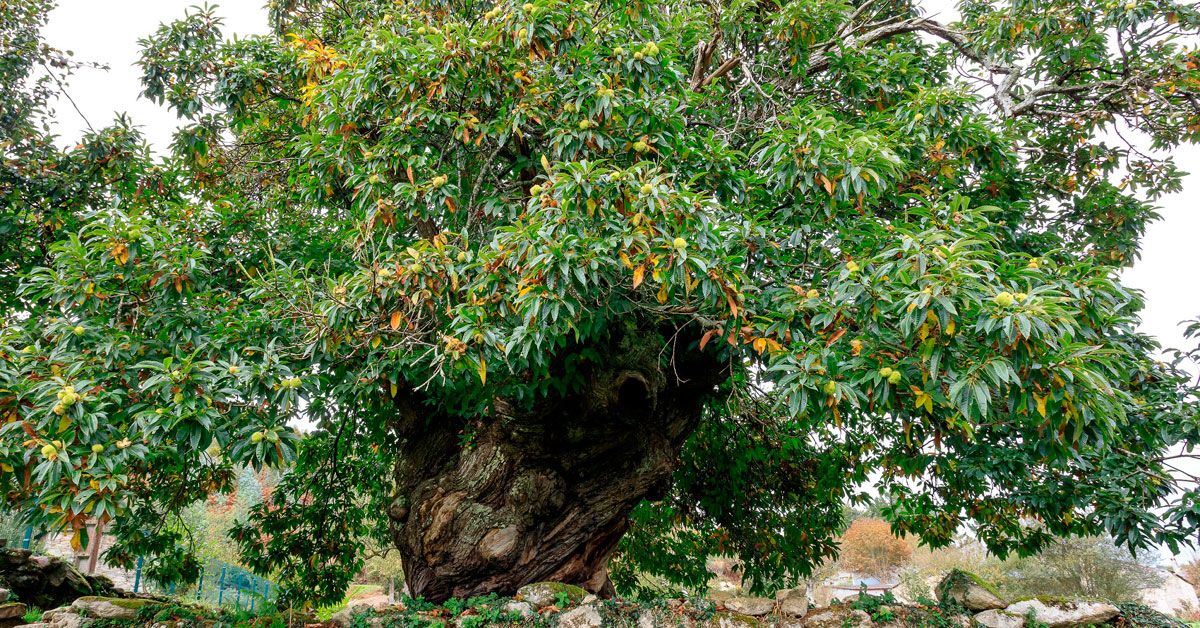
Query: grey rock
726	619
64	618
997	618
109	608
41	581
792	602
836	617
524	609
1065	614
541	594
8	610
580	617
646	620
969	592
345	617
752	606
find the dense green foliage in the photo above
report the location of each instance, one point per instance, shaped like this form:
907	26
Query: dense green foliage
902	237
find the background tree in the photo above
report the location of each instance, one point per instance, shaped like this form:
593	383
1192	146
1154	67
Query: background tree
1081	567
1089	566
597	278
868	547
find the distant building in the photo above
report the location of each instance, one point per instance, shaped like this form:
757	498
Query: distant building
846	586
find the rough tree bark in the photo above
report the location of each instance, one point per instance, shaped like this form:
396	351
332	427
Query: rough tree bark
543	493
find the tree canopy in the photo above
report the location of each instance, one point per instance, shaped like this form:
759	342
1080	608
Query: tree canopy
861	243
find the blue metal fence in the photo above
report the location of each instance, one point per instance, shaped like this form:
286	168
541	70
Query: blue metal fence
220	583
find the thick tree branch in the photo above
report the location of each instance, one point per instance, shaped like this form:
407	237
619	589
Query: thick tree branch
704	54
722	70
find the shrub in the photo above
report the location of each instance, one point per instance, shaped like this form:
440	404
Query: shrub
1081	567
870	548
1134	615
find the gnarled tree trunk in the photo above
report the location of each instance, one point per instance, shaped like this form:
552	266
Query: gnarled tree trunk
543	492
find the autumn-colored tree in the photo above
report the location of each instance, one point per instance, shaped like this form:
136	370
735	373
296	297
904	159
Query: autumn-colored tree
870	548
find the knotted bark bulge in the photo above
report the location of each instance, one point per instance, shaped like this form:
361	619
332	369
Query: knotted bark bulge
542	493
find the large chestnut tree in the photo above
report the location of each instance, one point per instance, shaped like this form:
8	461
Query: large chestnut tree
578	291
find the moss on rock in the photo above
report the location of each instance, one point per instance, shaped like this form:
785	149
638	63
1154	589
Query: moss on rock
131	603
730	619
541	594
964	589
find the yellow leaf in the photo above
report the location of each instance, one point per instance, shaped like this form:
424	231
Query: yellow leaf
639	274
922	399
545	164
662	294
64	423
482	370
760	345
375	342
1041	404
394	388
395	320
120	252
